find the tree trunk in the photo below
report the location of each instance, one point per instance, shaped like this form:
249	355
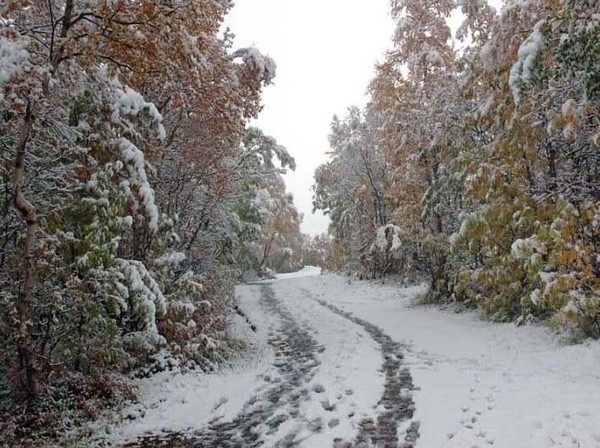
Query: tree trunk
30	375
266	252
25	350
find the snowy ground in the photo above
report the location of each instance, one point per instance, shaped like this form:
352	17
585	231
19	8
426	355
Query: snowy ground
339	364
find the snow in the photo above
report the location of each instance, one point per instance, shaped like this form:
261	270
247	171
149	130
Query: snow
128	102
569	108
349	375
535	296
12	57
172	258
263	203
404	23
521	387
149	300
381	239
171	401
570	113
136	163
307	271
478	384
488	54
527	248
529	50
264	66
396	243
462	231
176	402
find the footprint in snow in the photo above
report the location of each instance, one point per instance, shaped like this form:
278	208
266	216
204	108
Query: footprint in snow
333	422
318	389
328	406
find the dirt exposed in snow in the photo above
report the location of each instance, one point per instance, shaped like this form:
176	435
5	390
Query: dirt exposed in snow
295	359
341	364
396	403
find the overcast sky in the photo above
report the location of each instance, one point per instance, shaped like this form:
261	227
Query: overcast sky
325	52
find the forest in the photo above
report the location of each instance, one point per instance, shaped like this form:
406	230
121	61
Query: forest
134	196
475	164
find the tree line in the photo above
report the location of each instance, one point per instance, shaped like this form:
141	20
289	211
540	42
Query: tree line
475	164
133	193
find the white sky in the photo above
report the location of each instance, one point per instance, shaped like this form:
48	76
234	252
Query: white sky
325	52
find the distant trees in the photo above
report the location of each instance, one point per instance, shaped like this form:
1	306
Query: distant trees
350	188
124	166
269	227
316	251
491	182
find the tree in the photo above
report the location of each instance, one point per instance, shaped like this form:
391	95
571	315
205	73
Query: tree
416	91
268	222
350	188
491	154
121	127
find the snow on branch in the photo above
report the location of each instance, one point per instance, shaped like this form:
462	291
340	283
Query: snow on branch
270	147
14	61
128	102
522	70
264	66
136	164
149	299
13	56
171	258
388	238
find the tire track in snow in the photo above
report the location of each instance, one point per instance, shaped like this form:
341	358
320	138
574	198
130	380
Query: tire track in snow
296	362
397	406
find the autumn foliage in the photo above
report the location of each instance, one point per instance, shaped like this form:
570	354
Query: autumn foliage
131	187
487	143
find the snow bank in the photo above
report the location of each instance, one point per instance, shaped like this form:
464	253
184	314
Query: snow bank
482	384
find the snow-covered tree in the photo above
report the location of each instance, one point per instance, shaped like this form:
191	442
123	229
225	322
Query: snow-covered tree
491	153
122	166
351	187
268	223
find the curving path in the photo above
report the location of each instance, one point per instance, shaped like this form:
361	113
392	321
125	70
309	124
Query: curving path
298	405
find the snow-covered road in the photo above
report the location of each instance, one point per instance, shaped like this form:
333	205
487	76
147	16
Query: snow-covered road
334	363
